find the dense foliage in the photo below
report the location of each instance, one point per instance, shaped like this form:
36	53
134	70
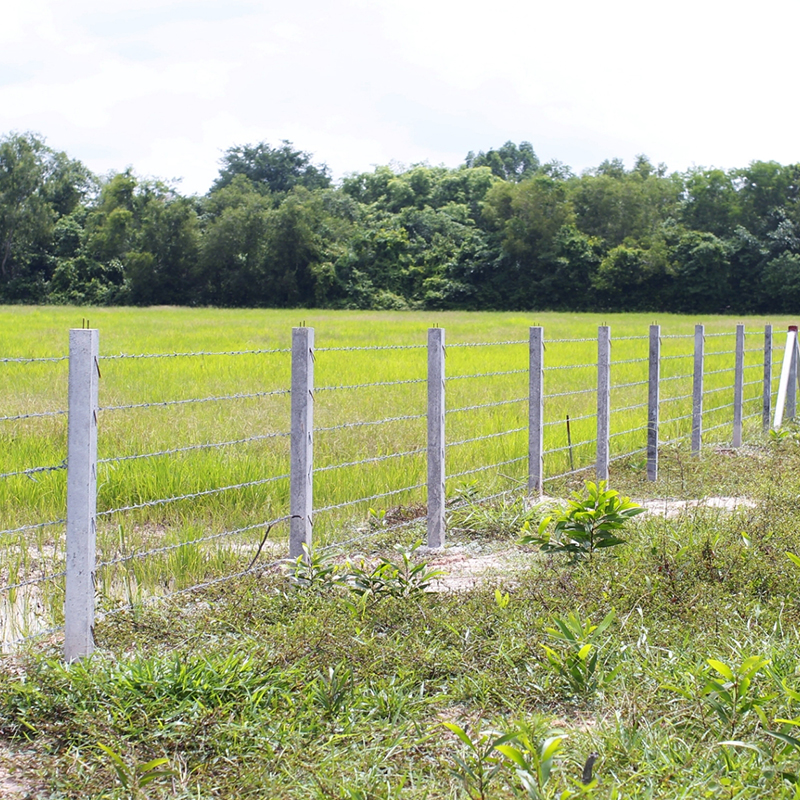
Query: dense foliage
502	231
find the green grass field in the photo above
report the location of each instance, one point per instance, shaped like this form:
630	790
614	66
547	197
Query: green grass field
185	528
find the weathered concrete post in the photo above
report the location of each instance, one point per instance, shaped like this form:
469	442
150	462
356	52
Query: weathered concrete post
603	401
697	389
536	411
653	402
436	438
84	373
738	387
301	475
767	393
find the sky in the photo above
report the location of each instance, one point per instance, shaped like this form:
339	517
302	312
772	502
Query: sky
166	86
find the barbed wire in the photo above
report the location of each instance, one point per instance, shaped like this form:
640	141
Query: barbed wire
370	498
718	371
570	341
170	547
673	358
568	447
192	447
716	408
629	361
34	470
577	391
715	353
486	467
715	335
195	587
485	374
32	416
569	472
34	526
727	424
487	436
370	347
754	366
752	383
628	385
31	637
571	366
237	396
488	344
676	336
371	534
12	360
676	378
677	419
571	419
676	398
486	405
194	353
629	408
717	390
630	453
192	496
368	385
31	582
373	460
369	422
626	432
627	338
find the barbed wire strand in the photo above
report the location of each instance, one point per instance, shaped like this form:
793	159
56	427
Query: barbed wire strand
368	385
191	447
212	399
486	405
192	496
32	416
33	471
119	356
13	360
373	460
487	436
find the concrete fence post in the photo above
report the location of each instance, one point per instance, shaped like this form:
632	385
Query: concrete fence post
697	389
603	401
84	373
301	480
653	402
791	388
767	393
738	387
536	412
436	438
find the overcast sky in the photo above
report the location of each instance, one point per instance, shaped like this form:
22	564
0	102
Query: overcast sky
167	85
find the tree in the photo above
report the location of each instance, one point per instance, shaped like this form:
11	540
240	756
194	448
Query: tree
277	169
37	186
510	162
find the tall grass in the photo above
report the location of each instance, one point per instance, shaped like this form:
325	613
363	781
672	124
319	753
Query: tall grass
190	533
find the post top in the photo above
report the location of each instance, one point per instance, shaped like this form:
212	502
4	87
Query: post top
793	328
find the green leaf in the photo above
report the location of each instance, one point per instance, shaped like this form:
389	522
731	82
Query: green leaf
722	668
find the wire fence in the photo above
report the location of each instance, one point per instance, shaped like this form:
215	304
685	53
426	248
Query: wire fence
206	491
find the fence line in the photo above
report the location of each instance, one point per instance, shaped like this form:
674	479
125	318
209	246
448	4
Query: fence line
81	464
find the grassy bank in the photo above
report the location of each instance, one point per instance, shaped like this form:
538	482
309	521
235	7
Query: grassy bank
272	690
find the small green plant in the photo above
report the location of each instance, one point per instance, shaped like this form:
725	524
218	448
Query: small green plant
331	691
501	599
589	522
533	763
478	765
730	691
402	578
579	645
313	571
134	777
727	689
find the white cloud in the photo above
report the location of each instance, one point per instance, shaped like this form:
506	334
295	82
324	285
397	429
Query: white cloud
168	85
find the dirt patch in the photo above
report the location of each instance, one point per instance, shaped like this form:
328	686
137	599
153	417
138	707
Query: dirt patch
464	570
669	509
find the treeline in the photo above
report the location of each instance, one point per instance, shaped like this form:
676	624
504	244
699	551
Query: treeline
501	231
